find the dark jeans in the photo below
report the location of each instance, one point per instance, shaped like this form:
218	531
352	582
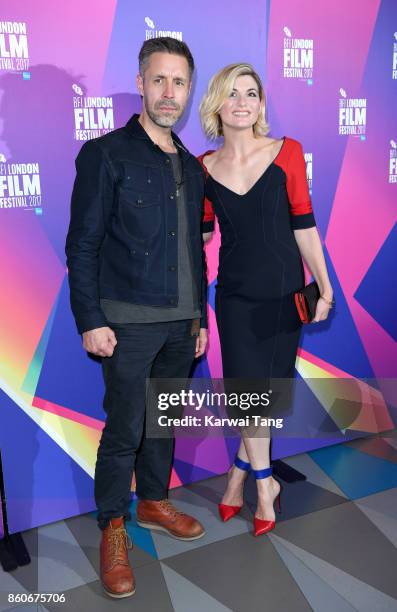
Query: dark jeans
143	350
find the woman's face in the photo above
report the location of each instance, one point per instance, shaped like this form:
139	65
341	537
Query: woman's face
241	109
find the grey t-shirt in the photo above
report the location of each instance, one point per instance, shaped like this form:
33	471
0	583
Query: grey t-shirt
126	312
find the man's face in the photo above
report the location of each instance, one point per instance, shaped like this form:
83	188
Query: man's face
165	88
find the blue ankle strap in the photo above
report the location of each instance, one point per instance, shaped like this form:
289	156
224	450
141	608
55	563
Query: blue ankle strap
265	473
243	465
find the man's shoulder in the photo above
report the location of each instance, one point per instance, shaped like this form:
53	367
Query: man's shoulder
113	145
112	138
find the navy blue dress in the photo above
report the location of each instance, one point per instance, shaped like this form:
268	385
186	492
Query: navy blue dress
260	266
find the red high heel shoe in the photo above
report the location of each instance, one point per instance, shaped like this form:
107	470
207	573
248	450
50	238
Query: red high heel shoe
262	526
227	512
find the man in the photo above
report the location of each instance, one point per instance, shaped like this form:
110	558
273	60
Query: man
138	289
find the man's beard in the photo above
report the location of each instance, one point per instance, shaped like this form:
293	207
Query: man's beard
164	119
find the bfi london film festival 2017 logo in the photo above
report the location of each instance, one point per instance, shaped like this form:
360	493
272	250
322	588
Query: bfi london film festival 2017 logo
298	57
20	186
309	170
393	162
394	58
14	52
93	116
152	32
352	115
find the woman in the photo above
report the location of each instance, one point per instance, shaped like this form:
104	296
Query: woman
257	187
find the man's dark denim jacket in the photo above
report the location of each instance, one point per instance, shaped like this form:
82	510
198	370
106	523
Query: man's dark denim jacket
122	242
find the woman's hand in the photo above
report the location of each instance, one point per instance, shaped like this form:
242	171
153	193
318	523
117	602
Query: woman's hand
322	310
311	249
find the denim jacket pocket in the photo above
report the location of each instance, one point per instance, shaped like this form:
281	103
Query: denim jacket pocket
140	214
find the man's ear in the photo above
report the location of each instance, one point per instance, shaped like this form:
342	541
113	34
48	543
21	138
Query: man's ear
139	83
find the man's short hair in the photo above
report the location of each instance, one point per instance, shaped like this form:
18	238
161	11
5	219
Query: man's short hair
164	44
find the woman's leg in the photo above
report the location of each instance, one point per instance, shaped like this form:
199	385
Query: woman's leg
258	451
233	495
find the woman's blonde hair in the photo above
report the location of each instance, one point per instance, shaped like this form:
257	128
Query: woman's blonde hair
219	89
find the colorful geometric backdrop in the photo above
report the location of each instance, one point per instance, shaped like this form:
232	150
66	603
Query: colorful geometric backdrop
67	73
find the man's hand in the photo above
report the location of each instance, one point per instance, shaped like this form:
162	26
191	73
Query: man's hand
201	342
100	341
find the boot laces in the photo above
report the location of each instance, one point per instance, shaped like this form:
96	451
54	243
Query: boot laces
166	505
119	541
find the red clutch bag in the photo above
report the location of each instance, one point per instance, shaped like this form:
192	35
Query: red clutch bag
306	301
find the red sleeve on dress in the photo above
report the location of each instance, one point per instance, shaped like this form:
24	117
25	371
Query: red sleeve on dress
209	216
298	190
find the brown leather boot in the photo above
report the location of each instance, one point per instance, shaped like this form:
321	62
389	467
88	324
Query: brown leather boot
116	573
163	516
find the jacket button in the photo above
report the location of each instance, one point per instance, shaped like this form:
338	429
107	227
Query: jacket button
172	268
167	161
171	233
146	252
139	201
149	181
171	196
